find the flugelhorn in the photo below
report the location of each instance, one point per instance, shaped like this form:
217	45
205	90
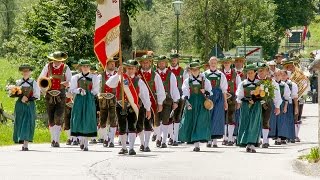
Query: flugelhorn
44	84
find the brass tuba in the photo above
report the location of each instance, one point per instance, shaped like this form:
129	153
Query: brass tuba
301	80
44	83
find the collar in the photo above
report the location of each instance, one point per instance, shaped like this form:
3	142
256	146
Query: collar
55	66
261	78
110	73
85	75
149	71
175	68
214	71
252	80
227	72
239	70
163	71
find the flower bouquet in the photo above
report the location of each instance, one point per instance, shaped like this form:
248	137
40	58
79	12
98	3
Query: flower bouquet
14	91
264	91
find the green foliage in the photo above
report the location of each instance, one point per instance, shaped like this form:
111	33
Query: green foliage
313	156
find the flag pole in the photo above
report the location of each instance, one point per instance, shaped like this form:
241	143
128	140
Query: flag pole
121	64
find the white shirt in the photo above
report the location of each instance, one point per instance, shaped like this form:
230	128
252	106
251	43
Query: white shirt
36	89
277	100
174	91
240	90
287	92
68	73
223	80
74	83
114	80
186	89
294	90
160	92
238	78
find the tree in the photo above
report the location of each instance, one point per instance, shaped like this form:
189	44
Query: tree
8	8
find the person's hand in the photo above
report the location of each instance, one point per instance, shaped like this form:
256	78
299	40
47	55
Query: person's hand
202	91
174	106
251	102
69	95
24	99
225	105
296	110
160	107
238	105
65	83
277	111
120	70
148	114
285	108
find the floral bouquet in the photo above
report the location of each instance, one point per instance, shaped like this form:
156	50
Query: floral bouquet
14	91
264	90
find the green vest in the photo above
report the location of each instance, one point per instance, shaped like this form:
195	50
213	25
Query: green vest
215	81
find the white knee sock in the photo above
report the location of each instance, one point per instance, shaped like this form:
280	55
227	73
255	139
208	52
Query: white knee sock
265	133
170	130
210	142
164	133
225	132
214	141
25	144
141	137
112	134
297	129
230	132
104	134
132	138
123	140
252	147
85	141
51	129
147	138
176	131
55	133
100	136
68	134
197	144
58	129
157	132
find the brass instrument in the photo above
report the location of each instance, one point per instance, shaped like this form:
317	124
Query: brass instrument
301	80
44	83
208	104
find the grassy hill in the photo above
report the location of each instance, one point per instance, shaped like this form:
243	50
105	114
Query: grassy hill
314	42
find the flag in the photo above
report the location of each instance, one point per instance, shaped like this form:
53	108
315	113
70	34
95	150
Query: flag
305	32
107	30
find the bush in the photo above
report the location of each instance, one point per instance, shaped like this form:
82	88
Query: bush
313	156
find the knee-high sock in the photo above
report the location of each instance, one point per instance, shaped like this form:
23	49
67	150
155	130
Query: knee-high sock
210	142
157	132
132	138
112	134
85	141
176	131
123	140
297	129
81	140
54	133
265	133
252	147
25	144
147	138
69	134
58	133
104	134
100	136
225	137
51	129
141	137
197	144
164	133
214	141
170	130
230	132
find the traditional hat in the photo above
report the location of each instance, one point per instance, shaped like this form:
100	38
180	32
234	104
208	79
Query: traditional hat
58	56
113	59
25	66
84	62
174	55
226	59
195	60
262	65
250	67
292	60
194	65
272	63
161	58
240	58
145	58
131	63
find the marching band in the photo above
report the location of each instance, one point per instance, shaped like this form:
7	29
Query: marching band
243	103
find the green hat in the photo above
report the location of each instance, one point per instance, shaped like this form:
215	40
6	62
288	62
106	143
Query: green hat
195	60
240	58
84	62
161	58
174	55
262	65
250	67
226	59
292	60
194	65
25	66
93	67
131	63
113	59
58	56
145	58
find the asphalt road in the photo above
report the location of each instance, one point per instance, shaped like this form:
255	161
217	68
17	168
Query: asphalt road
45	163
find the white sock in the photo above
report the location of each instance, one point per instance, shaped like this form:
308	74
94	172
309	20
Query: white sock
225	132
99	133
297	127
157	132
210	142
54	130
170	130
141	137
230	132
25	144
252	147
85	141
69	134
112	134
58	129
279	140
51	129
132	138
164	133
147	135
197	144
81	140
104	134
123	140
176	131
265	133
214	141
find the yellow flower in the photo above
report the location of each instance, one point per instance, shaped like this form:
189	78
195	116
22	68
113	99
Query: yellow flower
262	94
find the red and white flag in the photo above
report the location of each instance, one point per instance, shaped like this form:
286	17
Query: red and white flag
305	32
107	30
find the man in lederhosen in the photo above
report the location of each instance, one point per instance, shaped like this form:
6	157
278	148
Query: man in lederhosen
172	96
60	75
157	95
181	75
263	72
233	81
107	105
135	92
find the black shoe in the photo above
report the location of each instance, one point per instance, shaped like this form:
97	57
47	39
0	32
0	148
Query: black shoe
209	145
158	143
230	143
175	143
224	142
215	146
81	146
170	142
75	143
283	142
297	139
105	143
127	142
53	143
56	144
196	149
141	148
111	145
265	145
277	143
85	149
100	141
292	141
154	137
132	152
253	151
93	141
123	151
147	149
163	145
25	149
69	142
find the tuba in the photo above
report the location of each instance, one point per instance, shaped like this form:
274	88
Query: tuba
44	83
301	80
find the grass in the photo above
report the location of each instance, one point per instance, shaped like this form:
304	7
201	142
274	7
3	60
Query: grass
313	156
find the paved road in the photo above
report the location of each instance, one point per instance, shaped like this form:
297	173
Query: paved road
45	163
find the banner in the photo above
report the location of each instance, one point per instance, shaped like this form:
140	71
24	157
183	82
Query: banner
107	30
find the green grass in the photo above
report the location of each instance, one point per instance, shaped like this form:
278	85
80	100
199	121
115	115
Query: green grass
313	156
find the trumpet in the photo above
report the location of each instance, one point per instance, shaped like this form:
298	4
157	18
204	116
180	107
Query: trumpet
44	83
